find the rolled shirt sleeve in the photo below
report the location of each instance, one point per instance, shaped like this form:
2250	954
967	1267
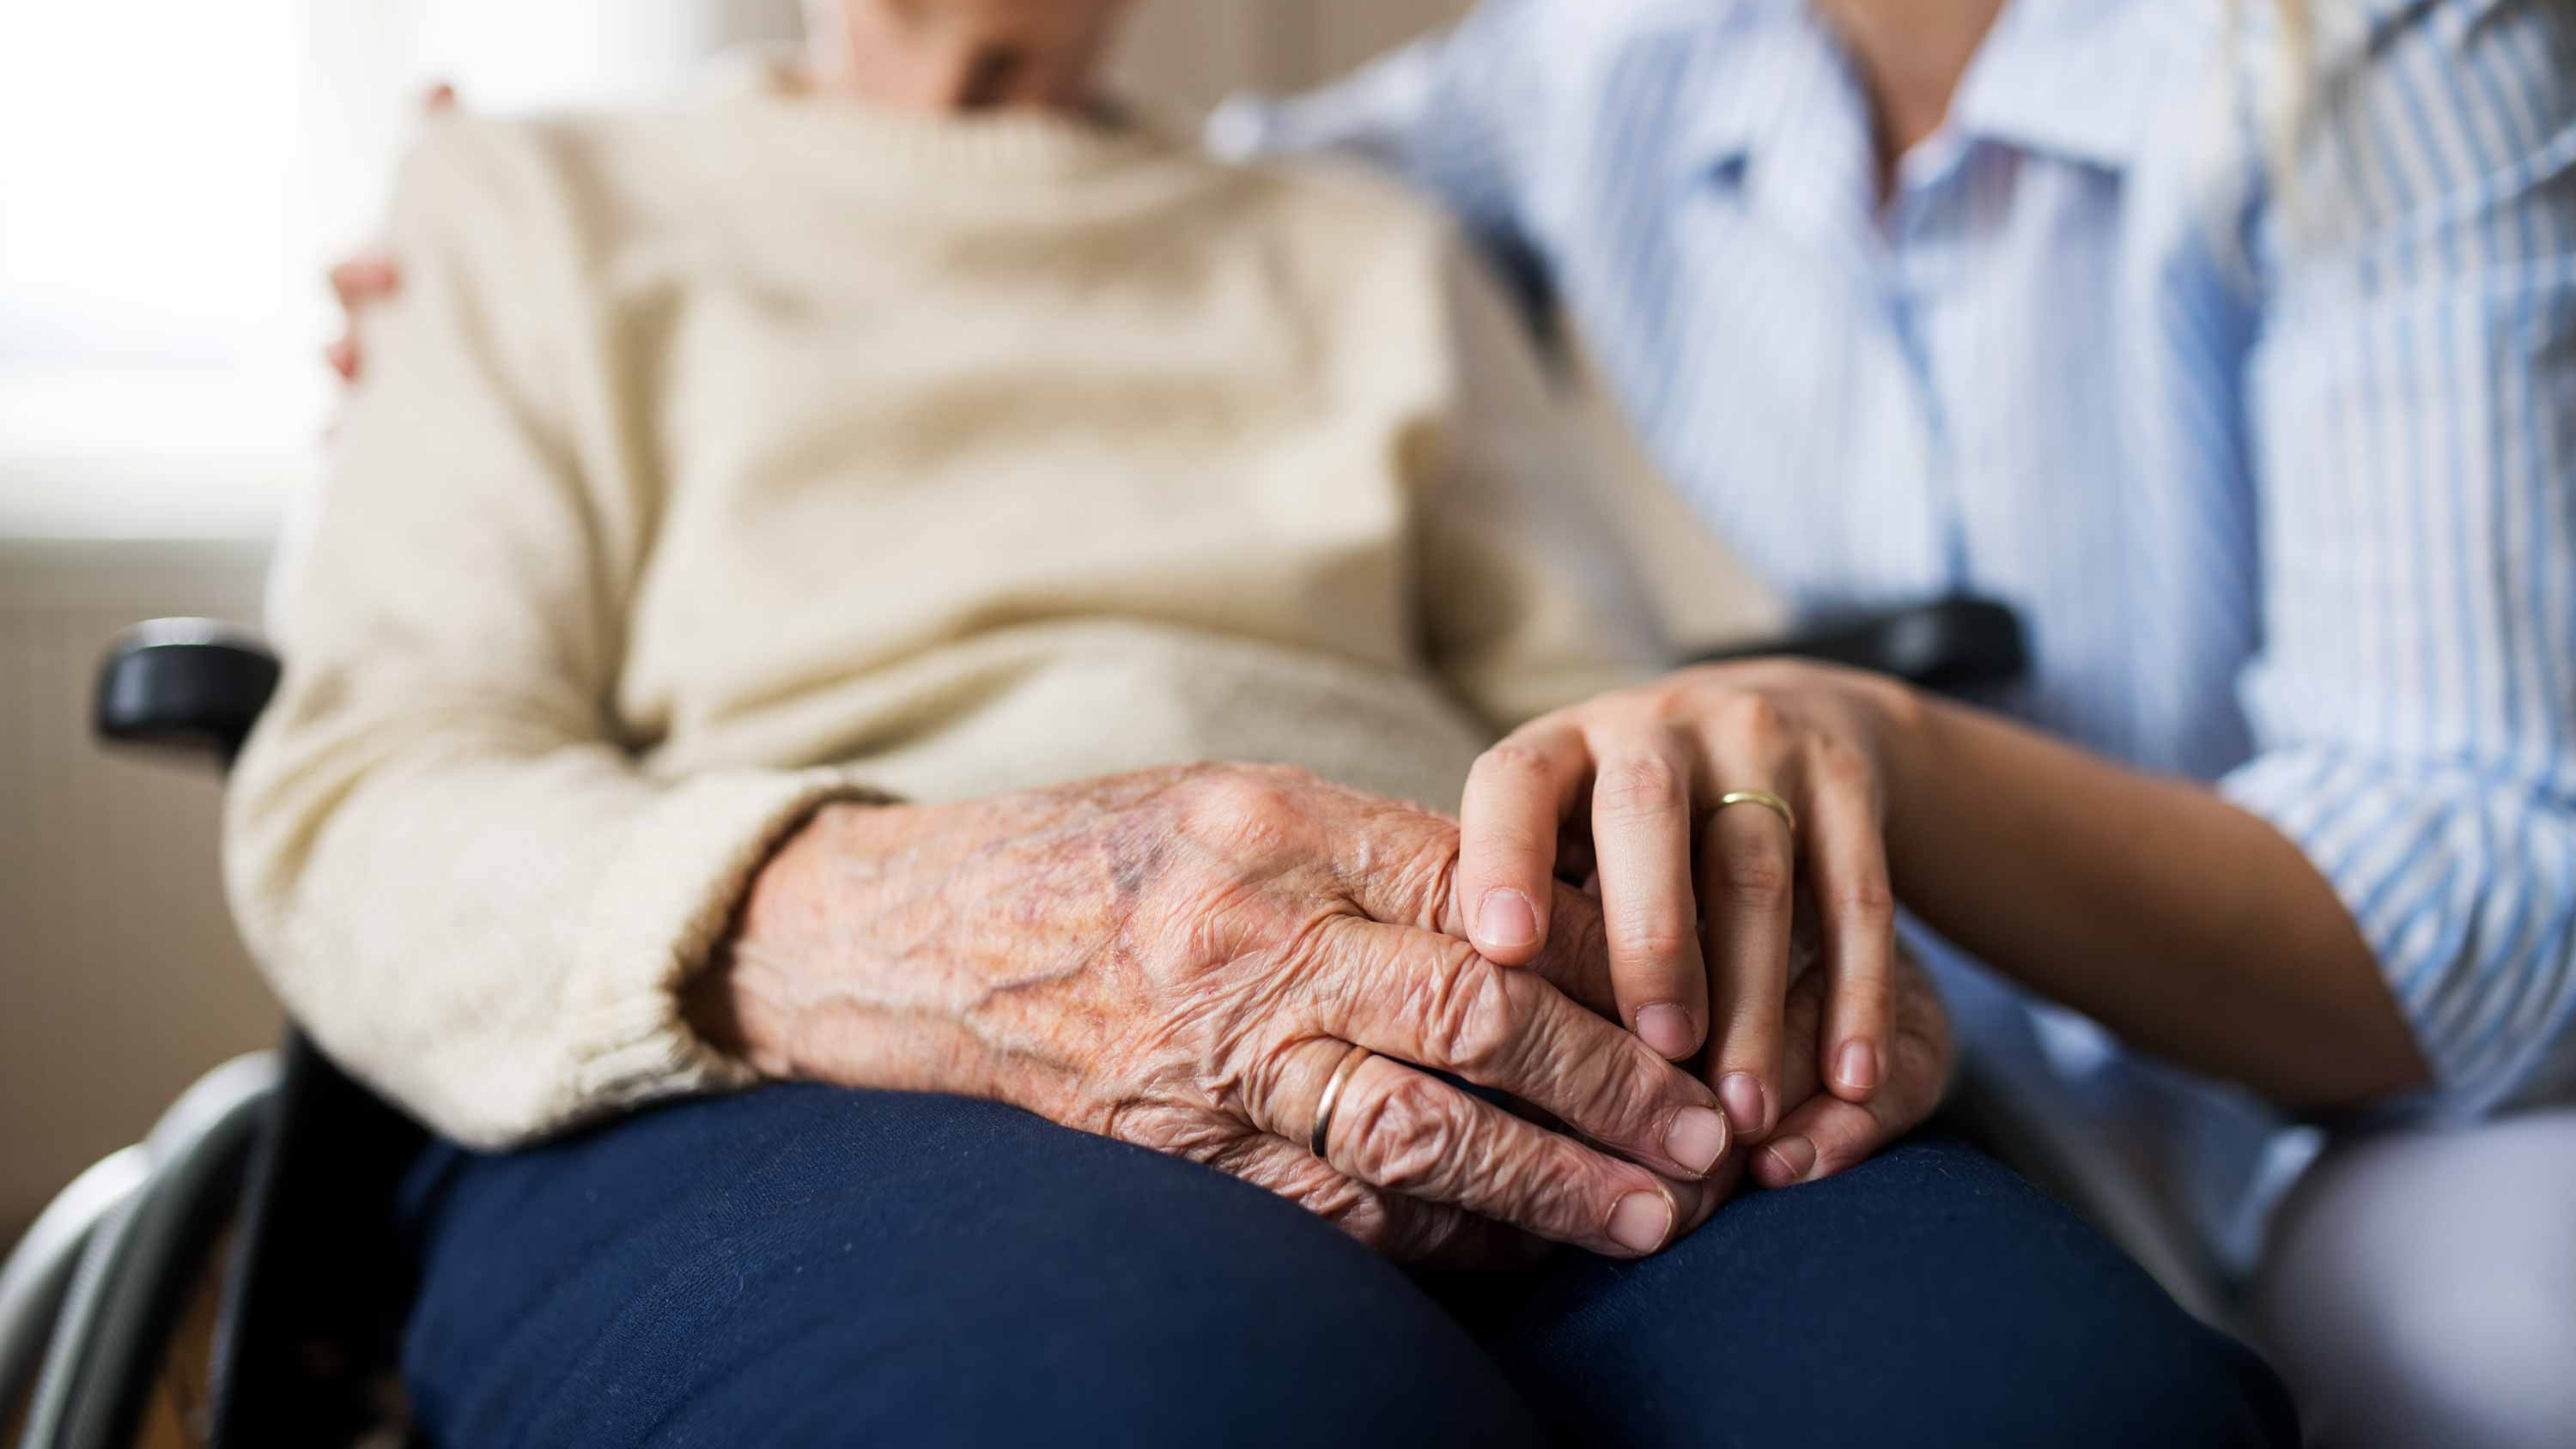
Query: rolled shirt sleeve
2414	404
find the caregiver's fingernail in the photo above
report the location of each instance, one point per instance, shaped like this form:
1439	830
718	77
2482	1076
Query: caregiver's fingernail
1667	1028
1857	1066
1641	1221
1746	1105
1791	1159
1505	919
1697	1139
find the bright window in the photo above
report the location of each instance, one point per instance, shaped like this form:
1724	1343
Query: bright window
175	175
147	181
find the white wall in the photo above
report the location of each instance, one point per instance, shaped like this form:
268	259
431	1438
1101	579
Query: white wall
119	977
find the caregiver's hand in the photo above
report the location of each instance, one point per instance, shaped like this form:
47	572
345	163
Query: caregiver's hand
1698	895
1184	959
360	282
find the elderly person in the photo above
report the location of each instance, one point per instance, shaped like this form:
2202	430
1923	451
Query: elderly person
908	586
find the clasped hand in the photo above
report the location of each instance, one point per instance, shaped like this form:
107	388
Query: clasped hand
1182	958
1702	900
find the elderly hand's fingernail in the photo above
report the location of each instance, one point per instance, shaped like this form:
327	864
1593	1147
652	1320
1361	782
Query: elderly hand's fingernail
1641	1221
1506	919
1667	1028
1788	1160
1747	1106
1697	1139
1857	1066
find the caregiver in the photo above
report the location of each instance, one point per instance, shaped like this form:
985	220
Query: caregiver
2237	349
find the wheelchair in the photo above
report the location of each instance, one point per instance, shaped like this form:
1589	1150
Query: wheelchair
278	1171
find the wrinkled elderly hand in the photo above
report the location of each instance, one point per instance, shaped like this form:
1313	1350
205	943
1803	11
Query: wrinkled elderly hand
1182	959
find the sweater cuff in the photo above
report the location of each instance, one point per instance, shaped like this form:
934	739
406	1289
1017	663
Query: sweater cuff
666	902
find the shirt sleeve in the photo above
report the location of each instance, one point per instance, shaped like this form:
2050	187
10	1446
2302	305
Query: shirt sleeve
1445	114
1532	601
2414	400
445	858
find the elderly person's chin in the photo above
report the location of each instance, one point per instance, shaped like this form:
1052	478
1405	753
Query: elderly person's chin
962	55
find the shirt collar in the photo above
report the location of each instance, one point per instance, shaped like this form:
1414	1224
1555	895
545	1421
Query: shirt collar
1756	72
2080	79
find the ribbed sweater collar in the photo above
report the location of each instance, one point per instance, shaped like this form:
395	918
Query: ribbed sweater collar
940	149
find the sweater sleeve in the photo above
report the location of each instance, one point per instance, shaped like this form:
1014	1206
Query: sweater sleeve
452	870
1532	601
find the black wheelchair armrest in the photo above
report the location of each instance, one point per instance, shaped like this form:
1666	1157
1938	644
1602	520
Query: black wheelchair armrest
188	684
197	685
1952	645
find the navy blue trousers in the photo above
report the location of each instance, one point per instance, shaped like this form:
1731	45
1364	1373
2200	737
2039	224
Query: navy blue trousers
808	1267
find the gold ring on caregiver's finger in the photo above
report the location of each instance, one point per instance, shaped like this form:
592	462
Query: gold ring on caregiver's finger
1333	1098
1766	800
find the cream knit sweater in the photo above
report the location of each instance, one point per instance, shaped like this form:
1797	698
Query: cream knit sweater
719	462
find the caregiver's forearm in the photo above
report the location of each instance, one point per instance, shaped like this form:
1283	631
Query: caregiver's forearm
2192	928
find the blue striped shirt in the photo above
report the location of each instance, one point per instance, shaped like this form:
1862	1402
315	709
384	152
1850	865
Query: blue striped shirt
2277	467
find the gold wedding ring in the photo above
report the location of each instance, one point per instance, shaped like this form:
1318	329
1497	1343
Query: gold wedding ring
1333	1097
1766	800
